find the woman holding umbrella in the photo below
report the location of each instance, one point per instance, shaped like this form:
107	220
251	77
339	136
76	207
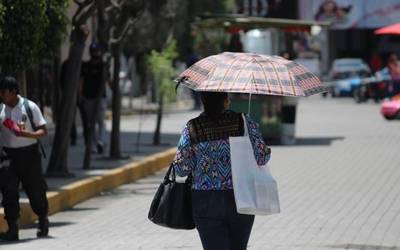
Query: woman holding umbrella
204	150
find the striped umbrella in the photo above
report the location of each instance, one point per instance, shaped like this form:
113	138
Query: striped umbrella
251	73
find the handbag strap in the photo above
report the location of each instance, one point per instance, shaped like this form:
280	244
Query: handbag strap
171	172
246	130
167	175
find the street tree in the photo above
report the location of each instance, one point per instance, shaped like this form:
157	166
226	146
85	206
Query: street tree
56	31
161	20
30	31
115	19
162	71
58	160
1	19
130	13
23	29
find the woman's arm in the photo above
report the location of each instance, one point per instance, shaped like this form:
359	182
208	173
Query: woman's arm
184	161
262	152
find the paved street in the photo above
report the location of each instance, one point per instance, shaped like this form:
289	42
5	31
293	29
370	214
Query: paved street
339	189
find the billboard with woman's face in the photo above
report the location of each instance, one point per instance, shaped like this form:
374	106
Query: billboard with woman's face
344	14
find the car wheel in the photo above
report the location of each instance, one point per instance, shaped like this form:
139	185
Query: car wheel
389	118
357	95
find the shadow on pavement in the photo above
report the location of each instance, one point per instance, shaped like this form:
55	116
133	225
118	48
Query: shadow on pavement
364	247
132	190
308	141
52	224
80	209
21	241
316	141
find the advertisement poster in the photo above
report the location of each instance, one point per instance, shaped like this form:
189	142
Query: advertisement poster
346	14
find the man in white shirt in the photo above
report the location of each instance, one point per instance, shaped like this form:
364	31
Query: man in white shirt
21	125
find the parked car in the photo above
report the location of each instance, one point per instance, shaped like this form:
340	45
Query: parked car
391	109
347	75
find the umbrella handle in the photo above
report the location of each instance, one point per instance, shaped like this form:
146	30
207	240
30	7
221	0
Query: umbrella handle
249	106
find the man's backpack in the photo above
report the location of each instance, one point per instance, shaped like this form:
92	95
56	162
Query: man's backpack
30	117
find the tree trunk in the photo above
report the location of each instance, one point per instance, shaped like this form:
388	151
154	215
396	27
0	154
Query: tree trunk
41	87
21	77
157	133
115	149
58	160
91	116
55	104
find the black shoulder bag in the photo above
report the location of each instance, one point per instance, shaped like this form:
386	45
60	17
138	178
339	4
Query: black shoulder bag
172	204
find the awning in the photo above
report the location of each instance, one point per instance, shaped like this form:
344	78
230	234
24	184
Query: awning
246	22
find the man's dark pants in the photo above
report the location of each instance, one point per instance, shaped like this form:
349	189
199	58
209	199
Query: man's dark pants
26	168
219	225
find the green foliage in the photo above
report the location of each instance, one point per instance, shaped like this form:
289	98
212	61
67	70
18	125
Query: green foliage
56	31
210	41
31	30
212	6
1	19
162	70
24	22
229	5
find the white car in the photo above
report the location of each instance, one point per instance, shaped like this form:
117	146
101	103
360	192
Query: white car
348	73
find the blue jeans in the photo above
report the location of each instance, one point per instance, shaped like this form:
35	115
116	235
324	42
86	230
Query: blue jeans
219	225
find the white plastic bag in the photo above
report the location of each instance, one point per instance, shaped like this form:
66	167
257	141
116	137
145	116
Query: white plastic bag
255	190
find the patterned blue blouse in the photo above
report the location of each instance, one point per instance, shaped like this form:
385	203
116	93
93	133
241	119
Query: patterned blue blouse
210	162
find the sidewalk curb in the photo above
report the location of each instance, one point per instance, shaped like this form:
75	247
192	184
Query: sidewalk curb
76	192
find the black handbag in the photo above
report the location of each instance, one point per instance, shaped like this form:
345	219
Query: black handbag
172	204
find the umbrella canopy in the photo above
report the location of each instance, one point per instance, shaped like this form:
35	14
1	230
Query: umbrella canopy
251	73
393	29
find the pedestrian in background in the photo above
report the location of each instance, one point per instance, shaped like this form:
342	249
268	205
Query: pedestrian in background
394	71
203	151
285	54
18	119
92	90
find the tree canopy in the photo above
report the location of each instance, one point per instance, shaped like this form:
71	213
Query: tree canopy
30	30
162	69
1	19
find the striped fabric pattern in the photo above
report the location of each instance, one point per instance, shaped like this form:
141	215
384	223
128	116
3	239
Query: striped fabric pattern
251	73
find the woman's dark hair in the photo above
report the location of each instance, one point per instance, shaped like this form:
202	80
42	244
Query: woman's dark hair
9	83
213	102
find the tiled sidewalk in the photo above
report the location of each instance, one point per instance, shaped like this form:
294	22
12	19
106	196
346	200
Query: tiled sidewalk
339	189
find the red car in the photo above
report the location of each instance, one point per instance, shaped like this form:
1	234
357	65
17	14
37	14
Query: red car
391	109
